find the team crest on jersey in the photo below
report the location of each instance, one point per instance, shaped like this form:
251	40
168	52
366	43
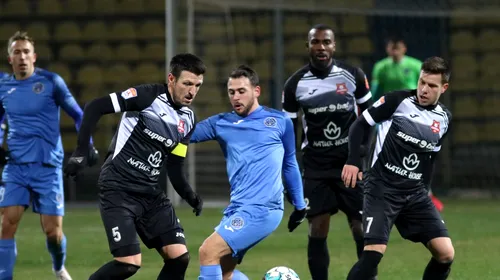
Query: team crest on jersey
435	126
129	93
341	88
237	223
180	126
270	122
38	88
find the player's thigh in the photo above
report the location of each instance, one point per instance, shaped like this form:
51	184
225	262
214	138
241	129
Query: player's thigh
420	221
350	200
320	197
380	211
247	226
118	217
48	190
14	191
159	226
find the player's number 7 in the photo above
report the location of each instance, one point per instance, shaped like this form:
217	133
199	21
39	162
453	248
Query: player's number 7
369	220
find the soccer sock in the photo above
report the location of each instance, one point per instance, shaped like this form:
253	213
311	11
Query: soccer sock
175	269
318	258
210	272
115	270
57	252
360	245
364	269
436	270
238	275
8	253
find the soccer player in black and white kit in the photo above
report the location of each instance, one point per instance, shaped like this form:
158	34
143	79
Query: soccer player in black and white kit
412	127
154	130
328	92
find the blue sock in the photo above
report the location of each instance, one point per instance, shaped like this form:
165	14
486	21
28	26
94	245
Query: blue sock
210	272
8	253
238	275
57	252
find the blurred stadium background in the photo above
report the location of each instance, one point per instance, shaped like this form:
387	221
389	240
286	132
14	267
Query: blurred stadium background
100	46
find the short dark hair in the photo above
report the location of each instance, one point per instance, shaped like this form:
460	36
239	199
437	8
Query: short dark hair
395	38
19	36
245	71
186	62
437	65
321	27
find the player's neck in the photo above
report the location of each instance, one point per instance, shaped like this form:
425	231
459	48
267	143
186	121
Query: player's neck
254	107
20	77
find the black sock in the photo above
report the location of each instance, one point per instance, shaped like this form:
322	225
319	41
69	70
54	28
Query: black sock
115	270
318	258
365	268
360	245
175	269
436	270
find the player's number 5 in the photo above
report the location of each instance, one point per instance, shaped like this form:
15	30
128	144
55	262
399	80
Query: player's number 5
116	234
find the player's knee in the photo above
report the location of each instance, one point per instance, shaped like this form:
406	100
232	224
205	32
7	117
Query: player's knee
135	260
376	247
446	256
178	264
356	227
319	225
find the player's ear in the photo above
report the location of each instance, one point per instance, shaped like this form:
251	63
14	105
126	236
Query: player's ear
445	87
171	78
34	57
257	91
9	59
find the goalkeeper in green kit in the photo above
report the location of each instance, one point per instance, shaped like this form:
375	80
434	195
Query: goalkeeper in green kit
397	72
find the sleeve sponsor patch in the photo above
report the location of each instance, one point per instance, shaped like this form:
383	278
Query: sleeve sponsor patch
129	93
379	102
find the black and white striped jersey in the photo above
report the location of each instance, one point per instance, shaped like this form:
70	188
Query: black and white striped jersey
407	136
151	128
328	102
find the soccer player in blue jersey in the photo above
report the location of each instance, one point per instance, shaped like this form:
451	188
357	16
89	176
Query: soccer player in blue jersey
31	99
259	147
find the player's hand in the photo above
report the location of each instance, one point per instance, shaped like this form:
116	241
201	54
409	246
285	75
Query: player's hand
296	218
76	163
350	175
194	200
3	157
93	157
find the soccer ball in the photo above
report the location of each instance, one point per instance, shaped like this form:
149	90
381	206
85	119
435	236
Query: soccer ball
281	273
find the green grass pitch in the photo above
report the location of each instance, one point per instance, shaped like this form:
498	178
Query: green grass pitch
474	227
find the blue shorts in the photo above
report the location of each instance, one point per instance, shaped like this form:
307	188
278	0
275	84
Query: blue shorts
246	226
42	184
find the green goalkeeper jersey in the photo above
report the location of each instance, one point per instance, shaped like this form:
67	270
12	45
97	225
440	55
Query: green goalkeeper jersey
390	76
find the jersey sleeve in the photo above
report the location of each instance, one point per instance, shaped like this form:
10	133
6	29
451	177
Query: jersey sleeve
376	78
289	101
181	148
383	108
136	98
446	133
205	130
362	92
66	101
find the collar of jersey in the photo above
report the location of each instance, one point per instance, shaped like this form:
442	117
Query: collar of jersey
323	73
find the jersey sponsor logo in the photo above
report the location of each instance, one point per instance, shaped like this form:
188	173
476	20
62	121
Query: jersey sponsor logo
11	90
330	108
238	122
435	126
155	159
180	126
411	162
414	116
332	131
379	102
270	122
421	143
341	88
139	164
237	223
403	172
129	93
180	234
312	92
38	88
155	136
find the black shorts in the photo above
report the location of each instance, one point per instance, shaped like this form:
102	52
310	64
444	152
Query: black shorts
329	195
414	215
126	215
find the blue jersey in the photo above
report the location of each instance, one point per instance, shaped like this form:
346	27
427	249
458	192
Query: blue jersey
3	76
258	148
32	110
